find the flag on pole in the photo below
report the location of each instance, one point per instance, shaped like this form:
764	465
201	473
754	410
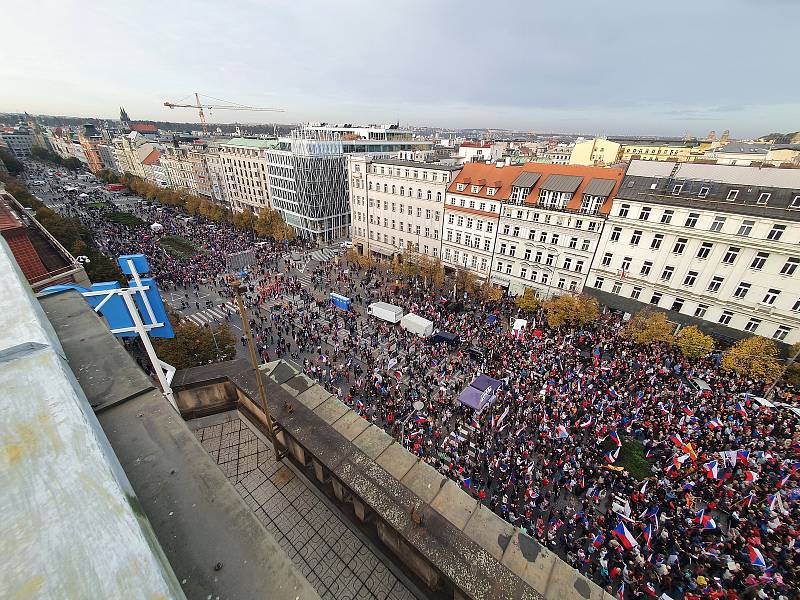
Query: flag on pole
741	409
624	536
711	469
598	540
612	455
751	476
648	534
756	558
615	438
714	424
743	457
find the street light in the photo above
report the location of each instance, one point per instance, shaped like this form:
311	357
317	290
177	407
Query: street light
418	406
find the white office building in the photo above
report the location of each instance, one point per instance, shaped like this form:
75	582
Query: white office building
397	204
713	245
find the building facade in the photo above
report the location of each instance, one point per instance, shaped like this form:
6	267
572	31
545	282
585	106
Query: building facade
18	140
245	167
216	173
397	204
90	139
550	227
712	245
308	174
178	167
595	152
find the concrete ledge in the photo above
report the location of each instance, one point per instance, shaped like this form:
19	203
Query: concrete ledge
350	425
424	481
313	397
372	441
396	461
486	529
331	410
453	504
298	384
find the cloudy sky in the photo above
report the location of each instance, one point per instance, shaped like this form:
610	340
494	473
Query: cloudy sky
610	67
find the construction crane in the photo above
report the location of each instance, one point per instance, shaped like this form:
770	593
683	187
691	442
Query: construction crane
200	107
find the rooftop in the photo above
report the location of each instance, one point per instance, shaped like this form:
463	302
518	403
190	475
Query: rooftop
249	143
416	164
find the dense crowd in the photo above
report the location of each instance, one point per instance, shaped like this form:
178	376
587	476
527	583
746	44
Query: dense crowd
715	512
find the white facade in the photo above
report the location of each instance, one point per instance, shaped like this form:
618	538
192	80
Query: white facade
19	141
245	168
397	204
179	168
709	242
478	152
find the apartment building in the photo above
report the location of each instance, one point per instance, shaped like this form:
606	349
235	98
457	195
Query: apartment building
308	173
154	171
129	151
713	245
397	204
472	212
664	150
198	156
245	168
478	152
178	166
550	227
19	140
89	139
216	173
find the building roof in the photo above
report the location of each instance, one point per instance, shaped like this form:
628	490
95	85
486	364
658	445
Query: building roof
740	175
600	187
740	148
144	127
250	143
152	158
503	178
416	164
526	180
561	183
650	168
475	145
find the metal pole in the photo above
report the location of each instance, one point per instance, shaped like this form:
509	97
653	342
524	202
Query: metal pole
262	394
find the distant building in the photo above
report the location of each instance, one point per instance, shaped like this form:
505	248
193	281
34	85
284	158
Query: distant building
308	180
154	171
108	158
664	150
178	166
559	154
738	153
478	152
595	152
711	244
18	140
89	139
245	167
397	205
129	152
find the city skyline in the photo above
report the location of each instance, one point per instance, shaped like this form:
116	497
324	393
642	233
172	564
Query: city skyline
530	68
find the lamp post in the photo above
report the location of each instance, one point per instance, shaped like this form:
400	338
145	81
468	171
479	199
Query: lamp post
418	406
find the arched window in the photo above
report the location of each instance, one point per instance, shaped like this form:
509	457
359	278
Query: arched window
385	188
430	195
419	194
394	190
370	185
402	191
409	192
438	196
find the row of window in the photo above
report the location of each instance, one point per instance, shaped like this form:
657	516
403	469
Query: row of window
407	173
403	208
759	260
402	244
725	317
733	194
466	260
387	189
717	225
401	226
536	277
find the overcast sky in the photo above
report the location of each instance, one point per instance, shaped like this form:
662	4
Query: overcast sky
590	66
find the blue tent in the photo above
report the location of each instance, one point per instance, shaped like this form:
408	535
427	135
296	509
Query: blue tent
480	393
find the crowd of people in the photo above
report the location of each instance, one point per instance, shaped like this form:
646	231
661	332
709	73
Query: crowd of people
606	451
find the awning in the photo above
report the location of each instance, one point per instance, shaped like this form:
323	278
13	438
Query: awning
562	183
526	180
600	187
382	251
480	393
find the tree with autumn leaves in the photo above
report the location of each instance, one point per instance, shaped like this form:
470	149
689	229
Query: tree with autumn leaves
649	327
193	345
693	343
570	310
755	357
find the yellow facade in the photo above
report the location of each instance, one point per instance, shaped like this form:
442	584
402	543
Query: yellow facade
671	152
596	152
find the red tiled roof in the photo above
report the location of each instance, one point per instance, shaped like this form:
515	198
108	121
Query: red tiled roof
8	220
475	145
152	158
25	254
144	127
505	176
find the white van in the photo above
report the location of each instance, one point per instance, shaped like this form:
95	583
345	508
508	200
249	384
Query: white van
385	311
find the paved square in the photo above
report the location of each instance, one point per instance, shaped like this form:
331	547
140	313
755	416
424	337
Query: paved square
331	557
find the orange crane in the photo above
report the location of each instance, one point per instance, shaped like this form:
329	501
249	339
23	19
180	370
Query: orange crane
200	107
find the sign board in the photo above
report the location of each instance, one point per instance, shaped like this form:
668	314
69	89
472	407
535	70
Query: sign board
391	364
239	260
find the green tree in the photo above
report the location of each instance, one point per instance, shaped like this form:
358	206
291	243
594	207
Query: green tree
243	219
13	166
528	300
107	176
755	357
693	343
648	327
193	345
570	310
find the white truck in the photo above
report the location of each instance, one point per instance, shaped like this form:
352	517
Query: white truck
385	311
418	325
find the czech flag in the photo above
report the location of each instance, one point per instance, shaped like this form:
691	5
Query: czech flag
624	536
748	500
715	424
741	409
586	423
613	393
704	520
468	482
648	534
611	456
676	439
756	558
598	540
679	460
561	432
688	411
711	469
420	419
751	476
621	592
742	457
615	438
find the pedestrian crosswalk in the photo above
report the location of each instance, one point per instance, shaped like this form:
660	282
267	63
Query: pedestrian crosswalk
323	255
212	315
305	280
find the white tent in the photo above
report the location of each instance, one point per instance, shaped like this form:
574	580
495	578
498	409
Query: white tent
156	228
84	195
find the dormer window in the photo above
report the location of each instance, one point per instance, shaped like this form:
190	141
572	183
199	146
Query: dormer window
475	189
490	191
518	194
732	194
460	187
795	202
763	198
677	190
703	192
